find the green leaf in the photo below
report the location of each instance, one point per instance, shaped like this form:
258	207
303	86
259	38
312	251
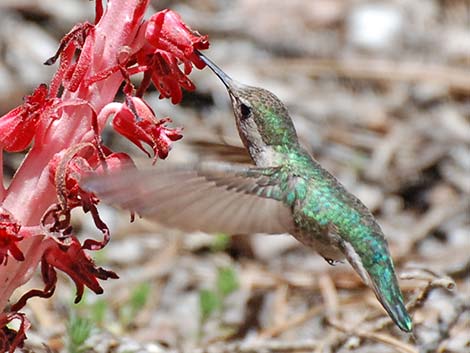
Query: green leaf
221	242
98	311
227	281
79	330
137	300
208	303
139	297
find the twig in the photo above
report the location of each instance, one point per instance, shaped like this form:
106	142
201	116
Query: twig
427	223
292	323
375	336
270	346
384	151
329	294
434	281
460	307
157	268
280	304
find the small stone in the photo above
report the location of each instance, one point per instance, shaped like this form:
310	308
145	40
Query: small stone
125	252
374	26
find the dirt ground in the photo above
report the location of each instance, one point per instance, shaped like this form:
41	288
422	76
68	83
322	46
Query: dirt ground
379	92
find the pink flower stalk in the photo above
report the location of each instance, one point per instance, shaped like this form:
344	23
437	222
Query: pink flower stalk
63	131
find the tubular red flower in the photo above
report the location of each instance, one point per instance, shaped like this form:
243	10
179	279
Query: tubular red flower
18	127
165	30
9	237
168	78
169	42
68	256
67	169
9	338
72	259
138	123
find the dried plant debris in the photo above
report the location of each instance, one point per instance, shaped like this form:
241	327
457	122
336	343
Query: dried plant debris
379	93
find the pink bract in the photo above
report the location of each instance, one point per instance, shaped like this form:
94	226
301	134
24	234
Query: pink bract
63	131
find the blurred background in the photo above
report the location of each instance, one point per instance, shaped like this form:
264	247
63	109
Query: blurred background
380	94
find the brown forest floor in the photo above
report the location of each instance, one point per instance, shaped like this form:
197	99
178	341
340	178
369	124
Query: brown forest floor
379	92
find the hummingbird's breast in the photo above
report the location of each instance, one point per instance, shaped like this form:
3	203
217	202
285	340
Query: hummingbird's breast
321	239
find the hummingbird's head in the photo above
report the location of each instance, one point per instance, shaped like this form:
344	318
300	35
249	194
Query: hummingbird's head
262	119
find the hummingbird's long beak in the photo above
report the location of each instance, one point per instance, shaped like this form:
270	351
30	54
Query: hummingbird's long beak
226	79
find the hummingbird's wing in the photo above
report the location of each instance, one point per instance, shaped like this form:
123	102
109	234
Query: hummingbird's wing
223	150
211	197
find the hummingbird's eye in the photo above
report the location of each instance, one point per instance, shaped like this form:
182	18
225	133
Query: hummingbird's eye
245	110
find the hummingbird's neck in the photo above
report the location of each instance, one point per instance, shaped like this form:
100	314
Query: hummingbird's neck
273	155
276	126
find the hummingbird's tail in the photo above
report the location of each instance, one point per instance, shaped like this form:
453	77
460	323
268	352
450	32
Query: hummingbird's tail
376	270
389	295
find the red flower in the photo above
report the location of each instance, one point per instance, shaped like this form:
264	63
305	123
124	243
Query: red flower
18	127
68	256
71	259
136	121
66	170
9	338
70	73
168	78
166	31
9	237
169	42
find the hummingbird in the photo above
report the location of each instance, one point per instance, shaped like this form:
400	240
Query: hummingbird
286	191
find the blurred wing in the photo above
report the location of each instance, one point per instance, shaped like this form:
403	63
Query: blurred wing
223	150
211	197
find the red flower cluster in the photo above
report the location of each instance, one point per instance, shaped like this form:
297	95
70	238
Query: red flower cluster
64	123
9	237
163	43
